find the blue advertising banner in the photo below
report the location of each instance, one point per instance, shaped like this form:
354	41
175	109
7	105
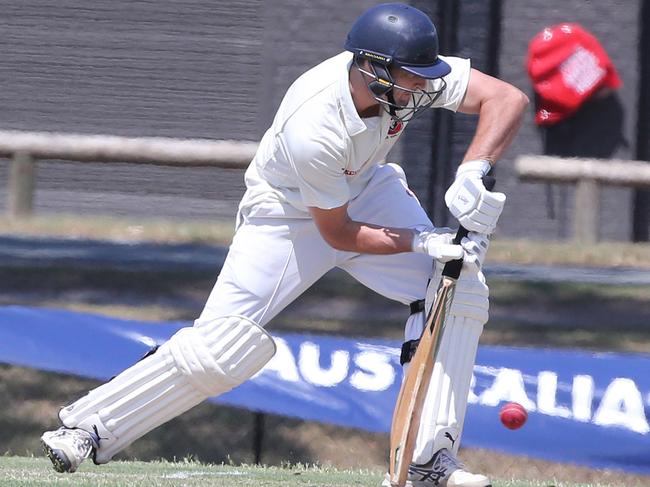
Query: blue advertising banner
585	408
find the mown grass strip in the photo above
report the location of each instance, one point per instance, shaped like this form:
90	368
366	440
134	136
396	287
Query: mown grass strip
26	471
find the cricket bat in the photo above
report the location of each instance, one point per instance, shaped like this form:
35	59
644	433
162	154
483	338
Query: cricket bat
407	412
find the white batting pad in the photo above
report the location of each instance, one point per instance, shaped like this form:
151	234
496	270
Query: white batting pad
196	363
443	413
470	297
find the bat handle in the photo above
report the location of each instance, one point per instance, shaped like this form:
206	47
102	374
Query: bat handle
453	267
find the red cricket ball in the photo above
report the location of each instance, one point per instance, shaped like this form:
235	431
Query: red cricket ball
513	415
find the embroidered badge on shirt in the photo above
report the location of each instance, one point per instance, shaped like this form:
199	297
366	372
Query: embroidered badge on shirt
395	128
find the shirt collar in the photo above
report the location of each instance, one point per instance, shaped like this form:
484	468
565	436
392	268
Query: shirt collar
353	122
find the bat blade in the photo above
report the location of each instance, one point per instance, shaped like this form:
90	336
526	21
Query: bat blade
406	416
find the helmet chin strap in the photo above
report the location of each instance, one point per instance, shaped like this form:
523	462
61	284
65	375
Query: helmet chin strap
383	85
391	100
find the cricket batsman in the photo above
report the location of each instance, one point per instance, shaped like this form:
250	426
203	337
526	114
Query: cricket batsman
321	195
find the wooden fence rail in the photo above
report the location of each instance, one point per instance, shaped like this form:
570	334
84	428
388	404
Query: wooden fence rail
588	175
24	148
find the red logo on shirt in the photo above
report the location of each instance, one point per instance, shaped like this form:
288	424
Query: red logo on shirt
395	128
348	172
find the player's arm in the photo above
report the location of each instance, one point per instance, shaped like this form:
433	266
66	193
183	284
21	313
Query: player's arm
500	107
342	233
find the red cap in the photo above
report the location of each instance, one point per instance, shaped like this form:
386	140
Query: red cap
567	65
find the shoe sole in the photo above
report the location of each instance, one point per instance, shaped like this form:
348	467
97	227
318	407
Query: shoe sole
429	483
409	483
386	482
59	461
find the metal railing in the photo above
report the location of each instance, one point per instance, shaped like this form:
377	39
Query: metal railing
588	175
25	148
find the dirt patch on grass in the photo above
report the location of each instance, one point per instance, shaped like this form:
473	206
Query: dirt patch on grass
521	313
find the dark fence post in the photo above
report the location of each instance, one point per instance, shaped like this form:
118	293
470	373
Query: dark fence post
22	177
494	39
467	28
443	123
258	436
641	212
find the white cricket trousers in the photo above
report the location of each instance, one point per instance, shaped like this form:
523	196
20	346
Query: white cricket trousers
272	261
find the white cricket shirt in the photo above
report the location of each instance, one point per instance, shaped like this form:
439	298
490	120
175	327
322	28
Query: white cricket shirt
318	151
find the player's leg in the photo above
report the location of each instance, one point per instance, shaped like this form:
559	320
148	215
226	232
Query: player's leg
404	278
268	265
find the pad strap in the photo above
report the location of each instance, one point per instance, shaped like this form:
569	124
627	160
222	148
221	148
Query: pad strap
416	306
408	351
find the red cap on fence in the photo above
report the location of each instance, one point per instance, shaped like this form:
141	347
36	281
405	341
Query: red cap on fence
567	65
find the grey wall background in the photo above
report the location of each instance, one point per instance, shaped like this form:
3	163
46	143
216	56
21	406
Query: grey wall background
132	67
196	68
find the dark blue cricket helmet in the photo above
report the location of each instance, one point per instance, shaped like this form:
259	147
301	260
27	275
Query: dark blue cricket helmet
395	34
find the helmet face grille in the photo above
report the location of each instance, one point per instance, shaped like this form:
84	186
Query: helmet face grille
381	85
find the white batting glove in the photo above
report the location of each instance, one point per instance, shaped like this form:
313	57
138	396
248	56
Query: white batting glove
476	208
436	242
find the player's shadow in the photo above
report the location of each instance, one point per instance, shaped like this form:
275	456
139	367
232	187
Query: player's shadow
596	131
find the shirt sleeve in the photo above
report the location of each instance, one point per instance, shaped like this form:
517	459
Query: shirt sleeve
317	157
457	81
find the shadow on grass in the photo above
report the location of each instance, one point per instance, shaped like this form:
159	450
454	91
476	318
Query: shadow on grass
521	313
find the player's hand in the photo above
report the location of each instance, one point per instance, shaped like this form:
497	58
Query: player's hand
476	208
436	242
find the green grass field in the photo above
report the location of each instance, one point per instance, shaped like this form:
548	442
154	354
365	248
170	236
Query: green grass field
33	472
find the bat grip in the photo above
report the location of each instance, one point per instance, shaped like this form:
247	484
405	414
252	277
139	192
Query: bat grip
453	267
